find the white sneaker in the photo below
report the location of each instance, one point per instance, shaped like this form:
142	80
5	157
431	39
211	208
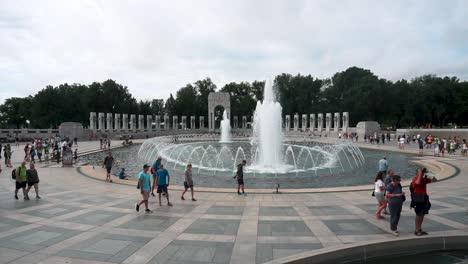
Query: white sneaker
395	233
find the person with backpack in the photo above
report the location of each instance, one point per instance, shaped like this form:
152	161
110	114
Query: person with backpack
395	197
144	183
33	180
154	170
21	178
420	199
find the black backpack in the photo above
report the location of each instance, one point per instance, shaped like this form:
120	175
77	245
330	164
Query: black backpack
13	174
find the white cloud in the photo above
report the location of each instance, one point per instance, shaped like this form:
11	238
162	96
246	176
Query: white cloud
155	47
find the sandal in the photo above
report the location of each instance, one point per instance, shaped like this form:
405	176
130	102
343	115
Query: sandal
182	198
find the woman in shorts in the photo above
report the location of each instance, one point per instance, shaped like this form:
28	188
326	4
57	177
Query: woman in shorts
33	180
379	192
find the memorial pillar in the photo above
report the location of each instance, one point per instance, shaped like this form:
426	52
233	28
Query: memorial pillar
202	122
141	122
109	121
345	121
328	120
133	122
92	120
235	122
184	122
175	122
312	122
296	122
287	122
192	122
244	122
319	122
158	122
101	121
149	122
337	121
167	125
117	122
125	122
304	122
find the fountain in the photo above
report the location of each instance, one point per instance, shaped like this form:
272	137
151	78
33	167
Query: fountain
225	128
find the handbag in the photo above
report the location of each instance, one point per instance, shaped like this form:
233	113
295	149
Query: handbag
373	193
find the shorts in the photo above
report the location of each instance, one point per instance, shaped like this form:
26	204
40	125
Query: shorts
162	188
145	195
32	183
422	208
240	181
380	197
108	169
20	185
187	186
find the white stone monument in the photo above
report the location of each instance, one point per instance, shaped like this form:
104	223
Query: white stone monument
328	120
101	120
312	122
124	122
133	122
337	121
109	121
192	122
158	122
244	122
117	122
287	122
92	120
304	122
141	122
320	122
166	122
367	128
235	123
149	122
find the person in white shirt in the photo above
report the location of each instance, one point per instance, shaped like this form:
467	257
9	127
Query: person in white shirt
379	192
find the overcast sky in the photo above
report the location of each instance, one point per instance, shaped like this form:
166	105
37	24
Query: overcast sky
156	47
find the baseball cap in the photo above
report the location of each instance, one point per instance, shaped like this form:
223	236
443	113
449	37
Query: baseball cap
146	166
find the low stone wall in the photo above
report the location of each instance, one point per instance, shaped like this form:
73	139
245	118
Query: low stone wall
442	133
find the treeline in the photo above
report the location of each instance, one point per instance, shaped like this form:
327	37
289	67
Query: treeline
423	101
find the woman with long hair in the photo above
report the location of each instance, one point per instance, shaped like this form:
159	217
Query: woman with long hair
379	192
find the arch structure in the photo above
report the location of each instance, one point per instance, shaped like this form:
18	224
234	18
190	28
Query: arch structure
217	99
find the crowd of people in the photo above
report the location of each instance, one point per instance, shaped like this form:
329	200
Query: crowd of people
438	145
389	194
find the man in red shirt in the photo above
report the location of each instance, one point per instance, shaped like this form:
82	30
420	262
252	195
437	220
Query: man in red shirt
420	199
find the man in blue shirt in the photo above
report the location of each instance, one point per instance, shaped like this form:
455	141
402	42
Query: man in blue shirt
383	165
162	180
154	171
144	184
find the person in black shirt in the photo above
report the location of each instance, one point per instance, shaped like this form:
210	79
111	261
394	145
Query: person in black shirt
240	177
108	162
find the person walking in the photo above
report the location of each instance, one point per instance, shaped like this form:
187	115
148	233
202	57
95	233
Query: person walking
188	182
144	183
383	165
395	197
108	162
7	154
379	190
21	179
162	180
33	180
240	177
154	171
420	199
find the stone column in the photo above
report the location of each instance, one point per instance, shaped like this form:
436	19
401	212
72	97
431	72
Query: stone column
287	122
319	122
336	120
296	122
149	122
167	125
235	122
175	122
101	120
312	122
133	122
109	121
141	122
192	122
304	122
117	122
158	122
184	122
328	120
202	122
252	120
124	122
244	122
92	120
211	121
345	121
